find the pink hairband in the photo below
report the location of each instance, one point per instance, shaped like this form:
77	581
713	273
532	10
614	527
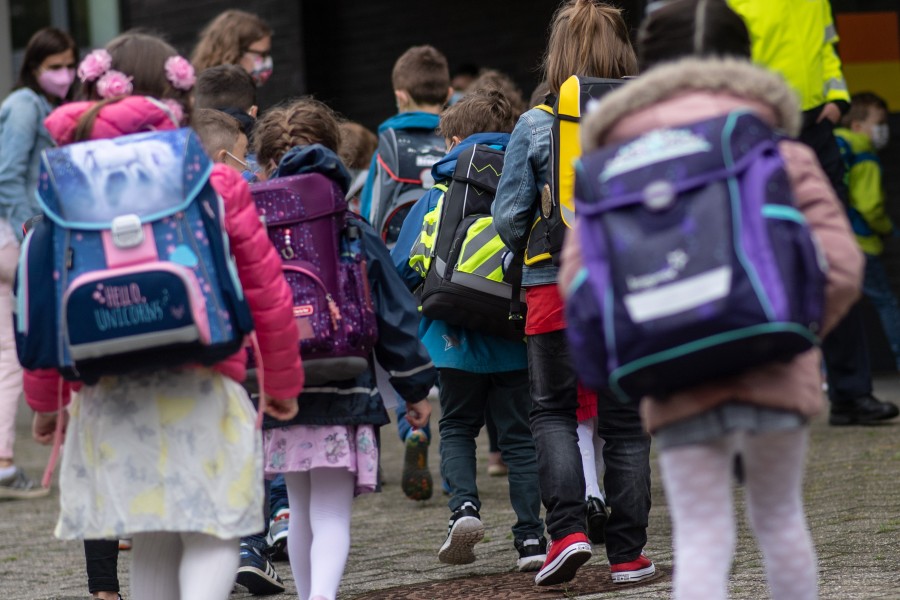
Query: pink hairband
97	66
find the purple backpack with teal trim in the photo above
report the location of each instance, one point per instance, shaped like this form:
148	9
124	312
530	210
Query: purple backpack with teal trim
130	269
697	264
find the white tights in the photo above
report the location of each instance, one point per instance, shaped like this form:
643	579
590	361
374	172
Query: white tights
319	532
698	484
591	447
185	566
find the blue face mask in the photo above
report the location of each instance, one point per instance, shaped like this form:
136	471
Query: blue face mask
249	173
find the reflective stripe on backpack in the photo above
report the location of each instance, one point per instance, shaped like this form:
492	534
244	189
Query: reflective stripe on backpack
422	251
482	251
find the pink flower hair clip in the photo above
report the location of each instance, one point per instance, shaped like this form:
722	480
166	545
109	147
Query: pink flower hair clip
94	65
114	83
180	73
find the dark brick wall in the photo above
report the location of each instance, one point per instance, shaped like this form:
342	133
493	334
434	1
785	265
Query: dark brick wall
343	52
181	22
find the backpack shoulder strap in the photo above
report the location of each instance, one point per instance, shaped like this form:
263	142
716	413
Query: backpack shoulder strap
546	108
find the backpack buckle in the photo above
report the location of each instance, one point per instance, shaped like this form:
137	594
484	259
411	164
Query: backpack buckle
127	231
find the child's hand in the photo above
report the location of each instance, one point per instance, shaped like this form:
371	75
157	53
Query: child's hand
283	410
43	426
418	413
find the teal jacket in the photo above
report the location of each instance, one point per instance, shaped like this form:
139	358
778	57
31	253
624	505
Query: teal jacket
454	347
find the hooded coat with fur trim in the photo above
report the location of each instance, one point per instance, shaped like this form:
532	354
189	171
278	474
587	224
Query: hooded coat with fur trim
693	90
259	267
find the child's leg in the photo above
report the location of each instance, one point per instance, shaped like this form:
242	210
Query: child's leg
697	479
330	509
101	561
10	371
208	565
155	560
626	453
599	465
299	531
877	288
774	480
463	396
509	402
586	432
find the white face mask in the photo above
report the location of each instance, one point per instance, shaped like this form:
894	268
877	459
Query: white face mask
881	135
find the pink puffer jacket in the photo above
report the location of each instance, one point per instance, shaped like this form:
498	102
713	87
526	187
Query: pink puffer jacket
259	267
693	90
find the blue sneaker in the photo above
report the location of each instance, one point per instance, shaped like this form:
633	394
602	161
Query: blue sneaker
257	574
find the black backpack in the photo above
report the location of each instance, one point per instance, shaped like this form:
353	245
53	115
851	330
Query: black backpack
465	283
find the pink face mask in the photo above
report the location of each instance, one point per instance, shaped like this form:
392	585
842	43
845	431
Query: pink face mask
262	69
56	82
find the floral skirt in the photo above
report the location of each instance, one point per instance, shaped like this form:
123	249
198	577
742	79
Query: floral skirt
167	451
305	447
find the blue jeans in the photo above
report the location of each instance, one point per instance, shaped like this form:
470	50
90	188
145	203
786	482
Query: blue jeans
877	288
465	399
554	400
278	498
626	454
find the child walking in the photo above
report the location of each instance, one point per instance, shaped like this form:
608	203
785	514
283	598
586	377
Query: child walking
762	414
480	374
864	132
588	39
170	457
328	451
407	142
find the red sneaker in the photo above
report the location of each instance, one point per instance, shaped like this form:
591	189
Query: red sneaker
637	570
564	557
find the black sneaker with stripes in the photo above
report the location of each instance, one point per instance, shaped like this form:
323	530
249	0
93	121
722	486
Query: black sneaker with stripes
257	574
464	531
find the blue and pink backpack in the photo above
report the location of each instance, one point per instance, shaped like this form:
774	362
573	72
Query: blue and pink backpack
697	264
130	270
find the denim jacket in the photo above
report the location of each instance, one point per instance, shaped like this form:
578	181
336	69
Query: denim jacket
526	169
22	139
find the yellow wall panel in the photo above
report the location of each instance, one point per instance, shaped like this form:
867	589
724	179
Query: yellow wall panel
883	78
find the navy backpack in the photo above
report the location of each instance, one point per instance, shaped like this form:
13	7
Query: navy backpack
131	269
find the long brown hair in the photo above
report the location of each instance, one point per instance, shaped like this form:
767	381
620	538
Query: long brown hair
588	38
142	57
299	123
227	37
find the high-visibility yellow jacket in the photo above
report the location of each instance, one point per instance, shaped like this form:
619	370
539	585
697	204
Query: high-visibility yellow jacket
867	212
796	38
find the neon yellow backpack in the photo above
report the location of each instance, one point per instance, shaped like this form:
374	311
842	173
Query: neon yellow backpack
557	204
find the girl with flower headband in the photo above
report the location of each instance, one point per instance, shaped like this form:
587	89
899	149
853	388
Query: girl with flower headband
170	458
